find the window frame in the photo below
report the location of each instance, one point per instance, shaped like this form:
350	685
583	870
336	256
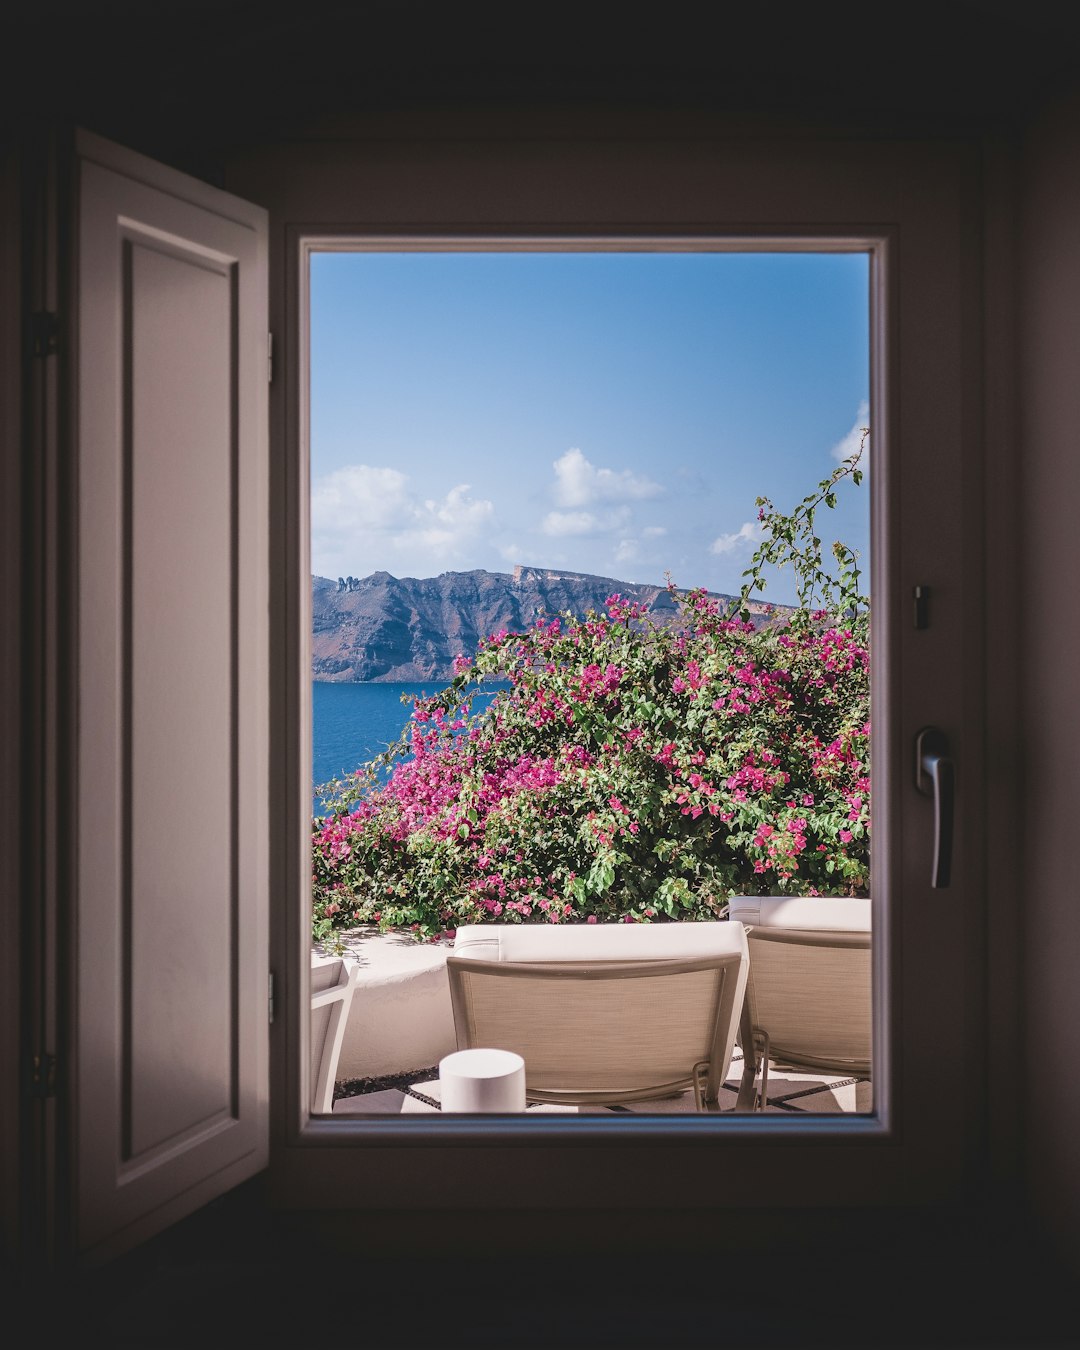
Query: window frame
581	1160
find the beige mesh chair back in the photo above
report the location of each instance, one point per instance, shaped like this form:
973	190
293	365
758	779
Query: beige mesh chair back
604	1013
808	1000
333	981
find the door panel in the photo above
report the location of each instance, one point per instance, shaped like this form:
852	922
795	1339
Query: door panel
170	1031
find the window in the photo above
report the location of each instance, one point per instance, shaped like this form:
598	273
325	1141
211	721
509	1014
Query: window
501	437
874	198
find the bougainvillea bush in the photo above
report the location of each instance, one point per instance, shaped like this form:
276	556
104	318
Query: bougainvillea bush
632	767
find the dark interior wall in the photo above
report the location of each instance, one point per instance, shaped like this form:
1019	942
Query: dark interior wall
10	761
240	75
192	84
1047	921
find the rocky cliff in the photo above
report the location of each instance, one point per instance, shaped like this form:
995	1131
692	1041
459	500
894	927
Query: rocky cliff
407	628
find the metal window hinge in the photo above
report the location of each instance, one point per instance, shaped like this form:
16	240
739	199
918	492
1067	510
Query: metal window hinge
43	1076
44	333
270	998
269	358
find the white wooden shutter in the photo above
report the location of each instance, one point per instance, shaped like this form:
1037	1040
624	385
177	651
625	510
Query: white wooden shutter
171	912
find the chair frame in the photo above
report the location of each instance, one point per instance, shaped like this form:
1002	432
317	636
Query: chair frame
756	1043
324	1058
704	1077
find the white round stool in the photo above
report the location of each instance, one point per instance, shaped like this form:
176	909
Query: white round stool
482	1080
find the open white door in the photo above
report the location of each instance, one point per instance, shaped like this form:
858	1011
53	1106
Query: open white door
170	1006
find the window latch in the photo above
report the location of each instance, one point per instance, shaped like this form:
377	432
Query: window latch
935	776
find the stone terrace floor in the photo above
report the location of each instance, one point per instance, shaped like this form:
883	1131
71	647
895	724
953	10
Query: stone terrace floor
790	1090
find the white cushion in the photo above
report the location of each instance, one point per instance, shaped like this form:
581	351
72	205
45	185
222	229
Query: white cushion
832	913
598	941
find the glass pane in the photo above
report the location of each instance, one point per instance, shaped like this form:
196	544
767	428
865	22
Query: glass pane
584	654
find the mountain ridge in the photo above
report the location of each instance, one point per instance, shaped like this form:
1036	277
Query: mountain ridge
381	628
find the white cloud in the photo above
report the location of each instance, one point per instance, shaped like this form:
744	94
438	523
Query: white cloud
362	513
580	483
850	443
560	523
627	550
749	532
643	547
569	522
442	527
360	497
459	510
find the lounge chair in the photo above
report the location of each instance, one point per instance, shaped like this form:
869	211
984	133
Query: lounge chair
332	983
604	1013
808	1000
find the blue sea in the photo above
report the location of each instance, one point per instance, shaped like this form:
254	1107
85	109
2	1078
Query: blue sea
352	723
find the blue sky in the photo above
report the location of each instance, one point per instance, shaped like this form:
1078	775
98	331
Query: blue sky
613	413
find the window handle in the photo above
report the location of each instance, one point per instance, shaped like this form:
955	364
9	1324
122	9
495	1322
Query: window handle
935	776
